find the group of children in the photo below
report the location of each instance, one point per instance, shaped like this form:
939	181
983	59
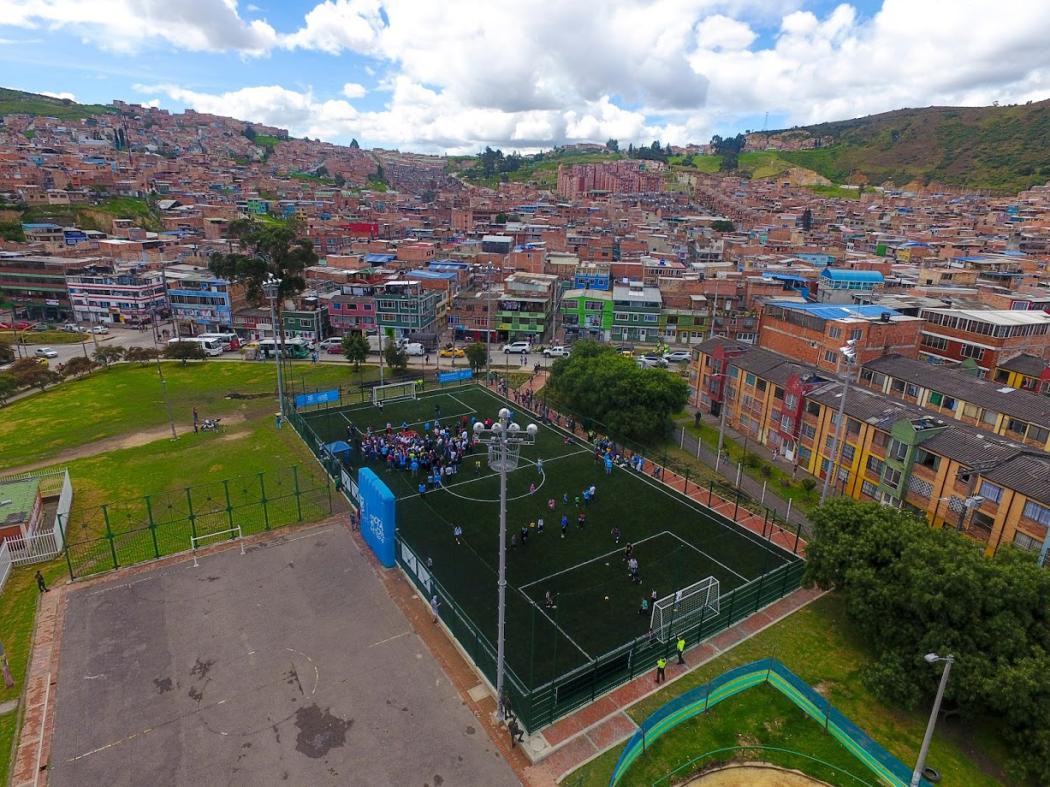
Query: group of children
437	450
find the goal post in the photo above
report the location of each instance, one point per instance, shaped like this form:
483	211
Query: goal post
685	608
230	534
392	392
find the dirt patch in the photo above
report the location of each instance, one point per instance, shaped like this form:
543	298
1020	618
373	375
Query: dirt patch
754	775
824	688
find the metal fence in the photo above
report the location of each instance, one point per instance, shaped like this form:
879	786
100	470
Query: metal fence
146	528
5	564
48	542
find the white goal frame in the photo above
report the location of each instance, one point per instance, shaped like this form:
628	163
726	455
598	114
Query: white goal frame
195	540
398	391
685	608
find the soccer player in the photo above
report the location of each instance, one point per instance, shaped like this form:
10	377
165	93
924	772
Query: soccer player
581	520
457	533
539	526
632	568
524	535
644	608
564	524
628	551
548	601
539	466
615	533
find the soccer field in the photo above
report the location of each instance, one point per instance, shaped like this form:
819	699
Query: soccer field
677	541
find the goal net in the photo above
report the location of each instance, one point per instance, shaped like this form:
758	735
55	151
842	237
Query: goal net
392	392
685	608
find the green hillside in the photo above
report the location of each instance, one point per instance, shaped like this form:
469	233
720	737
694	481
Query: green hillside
1001	149
540	170
16	102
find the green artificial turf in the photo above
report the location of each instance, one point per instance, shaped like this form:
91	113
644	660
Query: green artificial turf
597	604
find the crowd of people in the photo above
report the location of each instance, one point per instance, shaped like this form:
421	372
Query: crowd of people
437	450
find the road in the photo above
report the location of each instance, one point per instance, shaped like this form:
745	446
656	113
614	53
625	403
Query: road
117	337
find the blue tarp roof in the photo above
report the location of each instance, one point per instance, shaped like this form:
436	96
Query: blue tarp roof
378	259
836	274
832	312
786	277
432	274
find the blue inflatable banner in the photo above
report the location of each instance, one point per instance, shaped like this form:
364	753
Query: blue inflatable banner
378	523
318	397
451	377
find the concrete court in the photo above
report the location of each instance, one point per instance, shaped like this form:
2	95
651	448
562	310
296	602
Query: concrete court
288	666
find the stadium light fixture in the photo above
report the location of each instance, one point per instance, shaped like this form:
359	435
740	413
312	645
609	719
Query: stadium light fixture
920	764
504	440
271	288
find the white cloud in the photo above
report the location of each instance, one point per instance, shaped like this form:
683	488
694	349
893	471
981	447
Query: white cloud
353	90
721	32
65	95
336	25
129	25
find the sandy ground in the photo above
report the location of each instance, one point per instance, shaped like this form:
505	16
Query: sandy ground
754	775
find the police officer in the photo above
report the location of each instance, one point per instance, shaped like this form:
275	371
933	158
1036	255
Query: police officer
681	648
661	665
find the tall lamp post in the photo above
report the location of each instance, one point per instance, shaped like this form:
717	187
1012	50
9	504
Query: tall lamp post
271	287
849	353
920	764
504	440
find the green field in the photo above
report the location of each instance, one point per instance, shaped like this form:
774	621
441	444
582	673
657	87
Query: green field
597	605
821	645
45	337
128	398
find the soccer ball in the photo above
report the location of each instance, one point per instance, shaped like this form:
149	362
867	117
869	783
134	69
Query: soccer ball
606	598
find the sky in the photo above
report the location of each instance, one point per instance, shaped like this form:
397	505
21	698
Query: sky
452	76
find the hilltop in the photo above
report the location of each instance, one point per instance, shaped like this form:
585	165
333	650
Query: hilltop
17	102
1001	149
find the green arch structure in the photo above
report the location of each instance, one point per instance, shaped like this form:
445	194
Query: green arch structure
871	754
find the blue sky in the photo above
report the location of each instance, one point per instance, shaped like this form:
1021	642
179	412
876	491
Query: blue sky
459	74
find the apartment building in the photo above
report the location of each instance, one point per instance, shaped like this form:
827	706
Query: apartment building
526	306
993	488
1024	371
36	284
132	296
200	301
406	307
955	335
636	313
587	314
813	333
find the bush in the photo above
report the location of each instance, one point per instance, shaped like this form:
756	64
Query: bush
765	470
808	484
751	461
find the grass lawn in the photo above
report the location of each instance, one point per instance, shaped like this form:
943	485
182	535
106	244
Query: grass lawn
128	398
7	740
838	192
44	337
821	646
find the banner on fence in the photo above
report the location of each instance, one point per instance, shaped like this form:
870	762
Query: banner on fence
317	397
349	485
451	377
377	516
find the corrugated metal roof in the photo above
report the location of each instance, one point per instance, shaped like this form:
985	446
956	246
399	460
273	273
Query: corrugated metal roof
837	274
829	311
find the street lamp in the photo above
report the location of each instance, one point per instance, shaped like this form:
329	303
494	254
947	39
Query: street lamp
271	287
504	440
849	354
920	765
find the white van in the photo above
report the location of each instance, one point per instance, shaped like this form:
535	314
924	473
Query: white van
211	347
414	348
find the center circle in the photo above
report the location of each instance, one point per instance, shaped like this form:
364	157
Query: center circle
543	480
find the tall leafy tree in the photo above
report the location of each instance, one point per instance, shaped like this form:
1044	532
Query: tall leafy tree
266	250
596	382
184	351
7	353
396	358
477	356
355	349
108	354
31	373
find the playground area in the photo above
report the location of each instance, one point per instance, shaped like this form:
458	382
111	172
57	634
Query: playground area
571	599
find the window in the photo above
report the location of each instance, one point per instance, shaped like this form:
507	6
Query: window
868	488
1026	542
620	316
848	452
855	334
934	342
990	417
1037	513
749	379
830	357
879	439
804	454
812	408
808	430
990	492
852	427
926	459
790	401
874	464
1016	426
912	390
1038	434
969	411
892	478
898	386
835	333
972	351
898	450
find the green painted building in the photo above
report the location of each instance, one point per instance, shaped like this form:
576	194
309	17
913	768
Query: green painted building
587	314
637	314
902	453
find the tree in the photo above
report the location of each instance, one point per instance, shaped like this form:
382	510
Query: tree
78	366
8	385
354	145
109	354
355	349
396	357
7	352
30	373
249	133
904	584
477	356
501	218
807	220
629	402
266	250
141	355
722	225
184	351
613	145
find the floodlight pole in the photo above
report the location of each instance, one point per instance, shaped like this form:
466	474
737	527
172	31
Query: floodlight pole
920	764
500	438
271	288
836	451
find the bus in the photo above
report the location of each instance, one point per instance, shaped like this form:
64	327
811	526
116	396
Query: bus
294	348
210	346
228	341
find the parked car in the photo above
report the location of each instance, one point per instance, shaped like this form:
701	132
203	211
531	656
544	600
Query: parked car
651	361
556	351
333	345
71	327
414	348
46	352
678	356
100	329
517	347
449	351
